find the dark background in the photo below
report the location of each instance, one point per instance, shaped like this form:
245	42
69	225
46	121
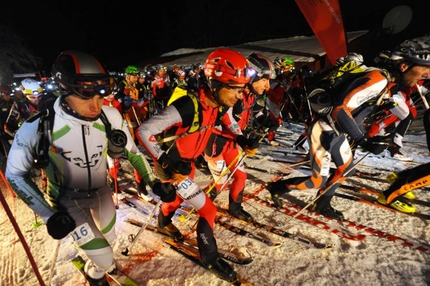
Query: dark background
127	32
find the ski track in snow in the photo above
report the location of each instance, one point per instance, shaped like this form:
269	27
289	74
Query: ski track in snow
374	261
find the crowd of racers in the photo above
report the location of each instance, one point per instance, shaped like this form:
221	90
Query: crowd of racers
273	96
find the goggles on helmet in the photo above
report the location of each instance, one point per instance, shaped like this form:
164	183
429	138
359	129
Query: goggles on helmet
88	89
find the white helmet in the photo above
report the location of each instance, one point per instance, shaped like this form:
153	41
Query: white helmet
30	86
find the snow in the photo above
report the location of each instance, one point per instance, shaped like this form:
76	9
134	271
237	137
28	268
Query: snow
373	261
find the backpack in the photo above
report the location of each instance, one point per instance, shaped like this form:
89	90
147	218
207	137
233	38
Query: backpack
46	114
325	90
179	92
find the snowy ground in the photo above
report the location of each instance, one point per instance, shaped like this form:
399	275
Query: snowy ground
373	261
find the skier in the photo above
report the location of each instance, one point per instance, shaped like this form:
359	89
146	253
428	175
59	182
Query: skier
225	145
186	125
78	200
327	139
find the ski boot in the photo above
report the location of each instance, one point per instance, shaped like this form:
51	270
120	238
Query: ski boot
222	269
398	203
94	275
165	225
277	190
322	206
235	209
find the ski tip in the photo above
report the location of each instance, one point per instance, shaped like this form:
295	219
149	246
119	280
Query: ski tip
241	282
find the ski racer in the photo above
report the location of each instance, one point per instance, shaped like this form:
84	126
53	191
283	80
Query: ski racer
187	124
227	143
84	131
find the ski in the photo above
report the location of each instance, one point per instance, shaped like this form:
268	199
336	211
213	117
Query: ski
115	278
269	171
243	232
368	190
374	202
286	151
192	254
192	242
294	161
341	232
269	228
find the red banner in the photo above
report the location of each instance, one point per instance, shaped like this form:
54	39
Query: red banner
325	19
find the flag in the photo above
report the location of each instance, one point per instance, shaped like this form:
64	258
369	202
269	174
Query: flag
325	19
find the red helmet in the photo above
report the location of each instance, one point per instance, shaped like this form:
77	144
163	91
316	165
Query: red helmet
227	66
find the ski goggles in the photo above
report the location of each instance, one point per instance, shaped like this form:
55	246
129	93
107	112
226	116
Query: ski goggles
89	89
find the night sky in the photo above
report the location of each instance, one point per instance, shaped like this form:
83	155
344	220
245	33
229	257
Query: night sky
126	33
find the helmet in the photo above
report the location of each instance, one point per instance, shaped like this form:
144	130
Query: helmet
285	63
262	66
416	50
30	86
81	74
320	101
5	90
181	73
132	70
227	66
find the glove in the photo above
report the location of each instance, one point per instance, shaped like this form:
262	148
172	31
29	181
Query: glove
181	170
249	145
60	224
126	104
272	124
178	170
139	103
165	191
375	145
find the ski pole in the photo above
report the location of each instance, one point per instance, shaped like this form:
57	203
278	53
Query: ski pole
116	164
185	218
423	97
222	187
328	188
7	184
133	238
21	237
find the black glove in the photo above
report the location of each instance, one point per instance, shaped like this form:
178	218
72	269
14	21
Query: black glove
166	191
249	145
179	170
265	121
60	224
272	124
166	163
375	145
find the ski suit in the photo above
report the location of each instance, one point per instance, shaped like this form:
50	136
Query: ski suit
327	136
175	120
76	177
222	148
127	93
